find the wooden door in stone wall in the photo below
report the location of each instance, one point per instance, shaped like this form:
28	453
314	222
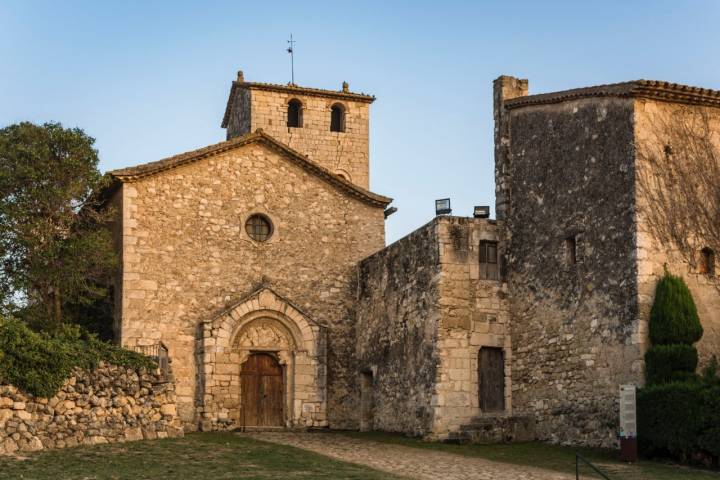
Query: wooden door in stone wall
261	390
491	366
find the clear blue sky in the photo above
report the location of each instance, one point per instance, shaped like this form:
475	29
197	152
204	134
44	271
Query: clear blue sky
150	79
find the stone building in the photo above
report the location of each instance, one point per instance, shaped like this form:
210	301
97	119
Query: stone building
260	264
243	253
582	266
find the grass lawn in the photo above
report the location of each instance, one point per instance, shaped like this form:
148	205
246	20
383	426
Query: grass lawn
206	455
551	457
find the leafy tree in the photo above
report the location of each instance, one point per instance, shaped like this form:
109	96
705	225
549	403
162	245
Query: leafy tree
55	247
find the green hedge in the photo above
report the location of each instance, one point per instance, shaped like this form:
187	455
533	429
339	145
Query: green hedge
674	318
665	363
39	363
680	420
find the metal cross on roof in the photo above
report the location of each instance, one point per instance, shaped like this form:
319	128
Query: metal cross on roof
291	51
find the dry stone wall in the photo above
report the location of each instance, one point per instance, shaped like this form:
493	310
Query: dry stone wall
109	404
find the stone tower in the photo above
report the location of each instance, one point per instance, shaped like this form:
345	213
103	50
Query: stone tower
330	127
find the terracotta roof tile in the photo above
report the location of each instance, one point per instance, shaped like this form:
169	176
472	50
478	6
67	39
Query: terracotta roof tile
652	89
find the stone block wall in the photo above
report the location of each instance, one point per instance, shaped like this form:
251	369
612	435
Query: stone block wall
576	331
109	404
423	314
263	322
474	313
651	118
186	258
398	315
344	153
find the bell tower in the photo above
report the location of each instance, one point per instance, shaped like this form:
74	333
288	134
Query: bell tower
331	127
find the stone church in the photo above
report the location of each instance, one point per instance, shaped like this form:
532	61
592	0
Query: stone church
260	265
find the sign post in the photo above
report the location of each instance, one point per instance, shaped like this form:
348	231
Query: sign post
628	423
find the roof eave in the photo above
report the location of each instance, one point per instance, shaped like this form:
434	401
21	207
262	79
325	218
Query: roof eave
131	174
649	89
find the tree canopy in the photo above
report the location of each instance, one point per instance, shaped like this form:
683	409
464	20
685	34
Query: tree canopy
55	245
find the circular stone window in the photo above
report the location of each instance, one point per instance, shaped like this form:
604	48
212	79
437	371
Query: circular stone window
258	227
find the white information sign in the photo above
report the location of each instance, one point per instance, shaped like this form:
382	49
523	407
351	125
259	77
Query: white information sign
628	412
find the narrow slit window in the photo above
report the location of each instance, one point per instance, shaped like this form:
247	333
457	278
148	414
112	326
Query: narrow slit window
571	250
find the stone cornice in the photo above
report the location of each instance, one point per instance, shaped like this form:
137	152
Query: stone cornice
650	89
131	174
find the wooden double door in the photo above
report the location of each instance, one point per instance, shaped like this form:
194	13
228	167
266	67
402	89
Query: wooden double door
262	392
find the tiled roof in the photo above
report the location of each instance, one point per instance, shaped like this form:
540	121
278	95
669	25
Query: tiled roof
140	171
652	89
292	89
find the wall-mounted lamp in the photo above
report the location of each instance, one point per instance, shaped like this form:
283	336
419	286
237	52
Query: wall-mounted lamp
390	211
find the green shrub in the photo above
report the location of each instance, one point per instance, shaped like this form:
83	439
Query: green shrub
680	420
39	363
674	318
665	363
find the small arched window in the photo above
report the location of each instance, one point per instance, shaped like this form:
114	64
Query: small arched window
294	113
337	118
707	261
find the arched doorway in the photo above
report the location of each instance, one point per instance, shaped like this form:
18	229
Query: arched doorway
261	390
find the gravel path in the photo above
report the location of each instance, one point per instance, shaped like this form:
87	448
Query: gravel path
406	461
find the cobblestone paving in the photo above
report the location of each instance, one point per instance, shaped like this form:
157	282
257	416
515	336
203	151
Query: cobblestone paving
406	461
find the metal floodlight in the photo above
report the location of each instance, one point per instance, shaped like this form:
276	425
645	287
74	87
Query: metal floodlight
390	211
442	206
481	211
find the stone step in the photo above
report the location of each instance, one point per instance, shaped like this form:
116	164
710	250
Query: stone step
501	429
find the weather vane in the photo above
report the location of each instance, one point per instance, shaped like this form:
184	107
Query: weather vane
291	51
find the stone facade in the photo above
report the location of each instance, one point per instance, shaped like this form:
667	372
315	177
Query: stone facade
654	257
109	404
581	270
424	313
569	171
190	268
417	337
265	106
263	322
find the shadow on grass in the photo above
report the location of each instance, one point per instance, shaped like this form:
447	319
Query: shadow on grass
217	456
552	457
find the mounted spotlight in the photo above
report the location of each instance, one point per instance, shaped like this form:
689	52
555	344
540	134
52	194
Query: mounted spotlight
442	207
481	211
390	211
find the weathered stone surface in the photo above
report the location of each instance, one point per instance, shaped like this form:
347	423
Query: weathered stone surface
567	169
423	315
571	176
33	424
187	259
343	153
